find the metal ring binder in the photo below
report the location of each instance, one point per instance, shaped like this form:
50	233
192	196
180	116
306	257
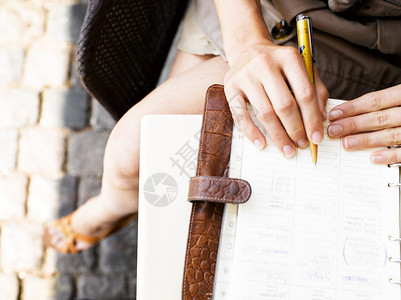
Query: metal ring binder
391	238
394	260
396	165
394	239
392	281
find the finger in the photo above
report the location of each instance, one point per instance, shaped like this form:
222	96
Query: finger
372	121
269	120
367	103
242	118
306	98
285	111
388	156
382	138
322	95
284	108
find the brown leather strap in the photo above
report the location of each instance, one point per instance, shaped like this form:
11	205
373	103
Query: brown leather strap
206	217
218	189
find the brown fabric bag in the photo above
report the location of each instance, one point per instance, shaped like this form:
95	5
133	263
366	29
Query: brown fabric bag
344	60
208	191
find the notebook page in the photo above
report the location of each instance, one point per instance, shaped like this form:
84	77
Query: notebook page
316	232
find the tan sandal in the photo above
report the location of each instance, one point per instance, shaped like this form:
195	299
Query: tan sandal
70	238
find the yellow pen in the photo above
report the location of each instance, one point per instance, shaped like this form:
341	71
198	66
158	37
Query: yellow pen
305	46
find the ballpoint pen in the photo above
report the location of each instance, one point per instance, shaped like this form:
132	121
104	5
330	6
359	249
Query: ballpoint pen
305	46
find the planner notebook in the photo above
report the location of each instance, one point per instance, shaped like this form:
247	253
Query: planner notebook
320	232
308	232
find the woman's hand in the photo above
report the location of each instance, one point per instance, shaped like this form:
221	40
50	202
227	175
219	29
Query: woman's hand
372	120
264	74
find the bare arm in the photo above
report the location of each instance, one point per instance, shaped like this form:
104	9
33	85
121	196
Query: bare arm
242	24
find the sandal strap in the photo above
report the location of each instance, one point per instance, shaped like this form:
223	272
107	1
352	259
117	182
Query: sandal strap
70	237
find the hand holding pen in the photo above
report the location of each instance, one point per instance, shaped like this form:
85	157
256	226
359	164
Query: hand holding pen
273	79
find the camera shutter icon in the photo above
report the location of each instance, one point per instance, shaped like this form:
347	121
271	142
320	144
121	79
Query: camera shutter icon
160	189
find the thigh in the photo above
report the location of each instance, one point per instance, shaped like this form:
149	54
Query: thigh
181	94
184	61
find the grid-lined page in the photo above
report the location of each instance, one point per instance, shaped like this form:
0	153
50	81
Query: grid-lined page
316	232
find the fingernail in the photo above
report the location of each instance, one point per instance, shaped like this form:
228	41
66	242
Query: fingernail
289	151
317	137
302	143
377	158
258	144
349	142
335	114
334	130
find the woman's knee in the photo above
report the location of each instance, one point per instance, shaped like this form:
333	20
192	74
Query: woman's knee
121	159
121	162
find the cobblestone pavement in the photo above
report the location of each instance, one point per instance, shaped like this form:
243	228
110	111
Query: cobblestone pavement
52	139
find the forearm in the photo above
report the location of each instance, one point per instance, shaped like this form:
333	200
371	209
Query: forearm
241	23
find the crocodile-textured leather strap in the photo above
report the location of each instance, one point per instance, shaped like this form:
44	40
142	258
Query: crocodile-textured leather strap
218	189
206	217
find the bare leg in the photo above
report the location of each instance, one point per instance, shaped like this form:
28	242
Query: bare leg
182	93
184	61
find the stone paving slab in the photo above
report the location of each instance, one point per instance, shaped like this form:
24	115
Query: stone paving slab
95	286
8	149
9	286
86	150
13	192
21	246
52	141
47	64
65	108
11	102
42	150
56	195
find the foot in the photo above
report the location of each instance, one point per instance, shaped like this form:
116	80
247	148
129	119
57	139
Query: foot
61	235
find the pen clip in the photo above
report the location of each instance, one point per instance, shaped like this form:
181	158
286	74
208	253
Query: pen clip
312	47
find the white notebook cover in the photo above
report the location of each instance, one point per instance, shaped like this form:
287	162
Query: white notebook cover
169	146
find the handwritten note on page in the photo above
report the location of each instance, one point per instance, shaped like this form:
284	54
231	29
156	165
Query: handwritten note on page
316	232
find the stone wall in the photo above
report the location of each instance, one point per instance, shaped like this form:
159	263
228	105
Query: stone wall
52	139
